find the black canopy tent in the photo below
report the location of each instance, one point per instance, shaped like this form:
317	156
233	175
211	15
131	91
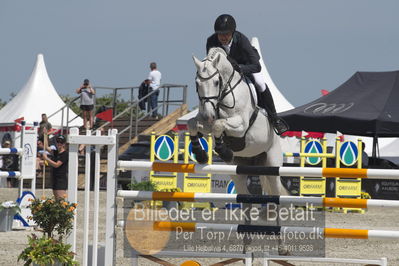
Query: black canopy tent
366	105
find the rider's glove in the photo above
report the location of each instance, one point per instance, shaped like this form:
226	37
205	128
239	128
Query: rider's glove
234	63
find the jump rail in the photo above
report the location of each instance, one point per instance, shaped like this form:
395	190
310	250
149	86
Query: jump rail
27	157
10	174
262	199
4	151
267	258
260	170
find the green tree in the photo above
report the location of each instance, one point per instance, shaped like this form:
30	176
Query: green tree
2	103
73	103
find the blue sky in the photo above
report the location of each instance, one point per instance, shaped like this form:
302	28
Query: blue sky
308	45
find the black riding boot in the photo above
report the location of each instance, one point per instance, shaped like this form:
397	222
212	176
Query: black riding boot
280	126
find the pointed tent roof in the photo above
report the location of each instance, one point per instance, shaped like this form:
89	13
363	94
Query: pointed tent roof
36	97
281	103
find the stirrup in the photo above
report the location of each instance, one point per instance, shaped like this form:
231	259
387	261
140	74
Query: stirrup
279	126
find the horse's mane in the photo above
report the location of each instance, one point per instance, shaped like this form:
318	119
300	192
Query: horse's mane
214	51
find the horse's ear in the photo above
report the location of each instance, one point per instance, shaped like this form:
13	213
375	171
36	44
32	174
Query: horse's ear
197	62
216	60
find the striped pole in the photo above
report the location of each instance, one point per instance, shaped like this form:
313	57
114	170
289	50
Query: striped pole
261	199
277	230
304	154
260	170
6	151
10	174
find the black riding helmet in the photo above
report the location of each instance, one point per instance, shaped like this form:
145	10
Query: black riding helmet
60	139
224	24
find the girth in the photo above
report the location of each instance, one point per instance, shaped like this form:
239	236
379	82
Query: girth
237	144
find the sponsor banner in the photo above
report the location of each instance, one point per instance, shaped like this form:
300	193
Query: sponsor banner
348	187
197	184
164	182
381	189
312	186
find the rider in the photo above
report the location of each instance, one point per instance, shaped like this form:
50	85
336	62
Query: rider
245	59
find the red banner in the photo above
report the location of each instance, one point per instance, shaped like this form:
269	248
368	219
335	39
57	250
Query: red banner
106	115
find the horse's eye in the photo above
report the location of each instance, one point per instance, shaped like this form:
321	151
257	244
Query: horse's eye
216	83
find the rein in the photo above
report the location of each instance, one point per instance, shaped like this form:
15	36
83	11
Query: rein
223	91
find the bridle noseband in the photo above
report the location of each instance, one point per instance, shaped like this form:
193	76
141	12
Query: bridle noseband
224	90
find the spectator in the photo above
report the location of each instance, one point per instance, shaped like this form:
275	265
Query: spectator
41	148
86	102
155	78
143	91
60	167
10	163
44	126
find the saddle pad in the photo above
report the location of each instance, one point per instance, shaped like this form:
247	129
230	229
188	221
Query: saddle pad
254	96
253	90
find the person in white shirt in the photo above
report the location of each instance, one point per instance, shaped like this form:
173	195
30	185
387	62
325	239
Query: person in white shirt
155	79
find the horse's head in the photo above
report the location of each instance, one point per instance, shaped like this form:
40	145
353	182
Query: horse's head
211	81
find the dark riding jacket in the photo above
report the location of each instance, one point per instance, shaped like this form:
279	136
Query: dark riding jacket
241	51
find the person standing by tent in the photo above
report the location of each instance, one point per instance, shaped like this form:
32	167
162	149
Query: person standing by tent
44	126
87	102
155	78
59	166
245	59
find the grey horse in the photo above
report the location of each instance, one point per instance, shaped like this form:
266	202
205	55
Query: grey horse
227	110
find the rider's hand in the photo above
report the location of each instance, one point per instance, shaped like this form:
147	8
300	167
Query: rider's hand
234	63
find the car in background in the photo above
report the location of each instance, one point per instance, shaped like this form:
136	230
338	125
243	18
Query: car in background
136	151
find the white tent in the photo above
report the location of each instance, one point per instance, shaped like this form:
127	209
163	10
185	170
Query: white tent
36	97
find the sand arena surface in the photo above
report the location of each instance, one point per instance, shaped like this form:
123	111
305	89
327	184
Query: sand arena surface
12	243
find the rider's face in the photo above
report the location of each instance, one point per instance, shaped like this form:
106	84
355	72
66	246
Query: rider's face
225	38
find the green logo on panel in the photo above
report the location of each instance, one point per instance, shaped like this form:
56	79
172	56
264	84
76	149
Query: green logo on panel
313	146
164	148
348	153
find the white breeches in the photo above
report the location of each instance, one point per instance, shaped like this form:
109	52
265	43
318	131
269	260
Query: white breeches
260	81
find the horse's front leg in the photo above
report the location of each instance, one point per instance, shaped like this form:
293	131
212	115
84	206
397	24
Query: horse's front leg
233	126
195	126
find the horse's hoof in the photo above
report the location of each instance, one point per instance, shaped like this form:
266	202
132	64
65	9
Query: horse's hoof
202	157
